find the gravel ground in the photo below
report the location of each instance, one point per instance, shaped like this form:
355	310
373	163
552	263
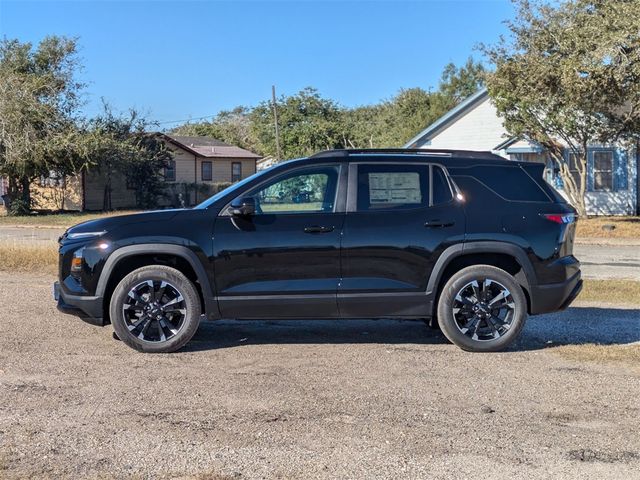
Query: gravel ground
357	399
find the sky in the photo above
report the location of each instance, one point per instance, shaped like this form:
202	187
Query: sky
182	60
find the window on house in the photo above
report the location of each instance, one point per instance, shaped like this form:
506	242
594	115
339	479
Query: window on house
207	171
170	171
603	171
236	171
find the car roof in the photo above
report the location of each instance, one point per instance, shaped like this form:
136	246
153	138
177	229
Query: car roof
452	158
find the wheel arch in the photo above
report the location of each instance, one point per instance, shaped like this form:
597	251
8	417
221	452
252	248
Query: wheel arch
126	259
508	257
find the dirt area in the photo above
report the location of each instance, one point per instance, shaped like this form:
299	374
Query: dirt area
321	399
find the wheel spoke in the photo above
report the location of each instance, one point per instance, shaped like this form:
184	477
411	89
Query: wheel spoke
135	325
143	332
493	327
134	307
465	301
160	331
167	324
160	292
174	301
500	296
476	290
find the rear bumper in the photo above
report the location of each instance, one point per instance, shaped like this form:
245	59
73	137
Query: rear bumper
86	308
556	296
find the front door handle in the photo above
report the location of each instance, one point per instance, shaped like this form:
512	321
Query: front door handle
318	229
439	224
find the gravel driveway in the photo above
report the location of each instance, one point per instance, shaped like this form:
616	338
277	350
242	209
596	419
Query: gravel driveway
360	399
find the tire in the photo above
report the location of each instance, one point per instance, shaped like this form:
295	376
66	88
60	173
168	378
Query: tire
155	309
475	326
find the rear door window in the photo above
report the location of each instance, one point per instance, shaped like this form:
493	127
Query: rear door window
391	187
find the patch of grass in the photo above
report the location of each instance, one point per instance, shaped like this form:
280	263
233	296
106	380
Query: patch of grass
625	227
611	291
611	354
67	219
39	257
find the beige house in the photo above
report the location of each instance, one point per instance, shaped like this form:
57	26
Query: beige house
200	166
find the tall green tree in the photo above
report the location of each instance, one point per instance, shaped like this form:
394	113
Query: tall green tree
39	102
568	77
457	83
308	123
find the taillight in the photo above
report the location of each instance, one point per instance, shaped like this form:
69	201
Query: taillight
560	218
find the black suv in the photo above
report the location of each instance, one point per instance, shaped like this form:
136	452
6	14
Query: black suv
467	239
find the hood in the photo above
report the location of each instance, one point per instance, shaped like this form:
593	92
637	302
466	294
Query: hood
109	223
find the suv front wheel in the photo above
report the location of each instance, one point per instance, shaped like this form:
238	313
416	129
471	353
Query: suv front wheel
482	309
155	309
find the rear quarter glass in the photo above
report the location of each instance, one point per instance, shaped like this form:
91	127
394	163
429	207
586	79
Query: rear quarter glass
508	182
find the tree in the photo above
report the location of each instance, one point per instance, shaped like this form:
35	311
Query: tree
230	126
457	83
568	77
121	144
307	121
39	100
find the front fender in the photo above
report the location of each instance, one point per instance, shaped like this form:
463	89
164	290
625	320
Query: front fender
211	306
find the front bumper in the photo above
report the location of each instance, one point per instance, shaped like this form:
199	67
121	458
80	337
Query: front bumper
87	308
556	296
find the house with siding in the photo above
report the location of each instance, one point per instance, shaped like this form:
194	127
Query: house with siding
200	166
613	183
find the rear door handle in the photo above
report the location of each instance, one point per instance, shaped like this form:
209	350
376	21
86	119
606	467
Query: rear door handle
439	224
318	229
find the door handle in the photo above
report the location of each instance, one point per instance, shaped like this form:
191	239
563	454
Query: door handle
439	224
318	229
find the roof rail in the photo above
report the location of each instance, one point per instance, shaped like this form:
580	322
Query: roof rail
344	153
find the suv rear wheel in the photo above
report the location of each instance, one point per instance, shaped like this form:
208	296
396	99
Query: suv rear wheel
482	309
155	309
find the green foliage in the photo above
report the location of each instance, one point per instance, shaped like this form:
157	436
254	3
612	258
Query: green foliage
19	207
570	76
309	122
121	144
458	83
229	126
39	98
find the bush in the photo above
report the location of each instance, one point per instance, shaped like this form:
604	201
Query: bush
19	207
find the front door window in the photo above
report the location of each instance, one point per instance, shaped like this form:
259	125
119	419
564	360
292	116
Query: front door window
307	191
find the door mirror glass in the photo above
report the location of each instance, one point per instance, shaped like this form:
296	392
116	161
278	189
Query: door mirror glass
243	206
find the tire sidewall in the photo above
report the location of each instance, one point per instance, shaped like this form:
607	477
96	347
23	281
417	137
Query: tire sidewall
156	273
456	283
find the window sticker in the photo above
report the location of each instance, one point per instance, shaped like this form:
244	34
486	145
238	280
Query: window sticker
394	187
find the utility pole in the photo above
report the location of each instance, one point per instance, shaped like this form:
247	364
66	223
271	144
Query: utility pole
275	121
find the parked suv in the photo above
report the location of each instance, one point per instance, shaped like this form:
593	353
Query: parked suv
465	239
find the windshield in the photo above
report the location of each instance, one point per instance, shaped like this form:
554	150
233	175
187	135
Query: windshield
236	186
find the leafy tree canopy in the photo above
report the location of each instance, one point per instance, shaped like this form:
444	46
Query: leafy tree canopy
569	75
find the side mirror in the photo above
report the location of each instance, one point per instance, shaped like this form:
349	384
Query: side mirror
243	206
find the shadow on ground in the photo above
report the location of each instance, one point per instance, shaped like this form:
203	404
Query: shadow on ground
575	326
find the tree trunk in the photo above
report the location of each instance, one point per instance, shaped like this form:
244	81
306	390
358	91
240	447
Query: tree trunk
106	199
25	183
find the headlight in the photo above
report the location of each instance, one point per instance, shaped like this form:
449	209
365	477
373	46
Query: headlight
77	235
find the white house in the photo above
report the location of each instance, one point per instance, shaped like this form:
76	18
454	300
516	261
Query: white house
612	171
